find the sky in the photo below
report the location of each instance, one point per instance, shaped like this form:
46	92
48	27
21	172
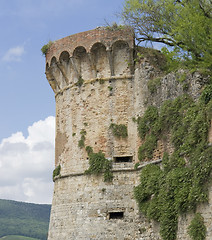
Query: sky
27	122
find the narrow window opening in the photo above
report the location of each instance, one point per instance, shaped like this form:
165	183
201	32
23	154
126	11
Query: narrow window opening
116	215
123	159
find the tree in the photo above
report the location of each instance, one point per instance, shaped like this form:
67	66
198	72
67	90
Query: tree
183	25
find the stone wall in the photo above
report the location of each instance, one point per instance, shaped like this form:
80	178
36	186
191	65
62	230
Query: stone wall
96	84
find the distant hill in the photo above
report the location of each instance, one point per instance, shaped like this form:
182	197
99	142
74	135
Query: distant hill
24	219
16	237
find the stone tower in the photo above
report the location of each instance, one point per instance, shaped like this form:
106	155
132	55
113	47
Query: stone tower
91	74
98	90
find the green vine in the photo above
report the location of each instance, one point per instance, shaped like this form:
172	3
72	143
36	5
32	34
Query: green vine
81	143
207	94
153	84
181	77
197	229
146	150
182	181
99	164
149	120
119	130
56	172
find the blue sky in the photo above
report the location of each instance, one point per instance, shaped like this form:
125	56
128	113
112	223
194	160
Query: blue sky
26	101
27	25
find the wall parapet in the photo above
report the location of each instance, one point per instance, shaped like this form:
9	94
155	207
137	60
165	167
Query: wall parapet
88	39
97	54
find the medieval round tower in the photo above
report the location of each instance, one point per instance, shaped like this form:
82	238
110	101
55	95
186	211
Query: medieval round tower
97	96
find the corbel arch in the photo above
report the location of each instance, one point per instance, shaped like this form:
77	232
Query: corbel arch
53	61
81	63
56	72
47	66
100	60
51	72
64	57
122	58
64	67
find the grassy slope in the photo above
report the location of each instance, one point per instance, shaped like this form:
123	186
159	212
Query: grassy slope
25	219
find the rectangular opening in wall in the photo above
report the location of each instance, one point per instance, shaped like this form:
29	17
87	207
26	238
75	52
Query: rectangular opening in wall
116	215
123	159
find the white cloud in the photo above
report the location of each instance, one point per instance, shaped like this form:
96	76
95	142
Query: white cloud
14	54
26	164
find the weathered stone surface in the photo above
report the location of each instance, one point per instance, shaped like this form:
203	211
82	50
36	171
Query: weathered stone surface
110	92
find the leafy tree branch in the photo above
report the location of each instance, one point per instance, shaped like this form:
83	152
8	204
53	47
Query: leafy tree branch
183	25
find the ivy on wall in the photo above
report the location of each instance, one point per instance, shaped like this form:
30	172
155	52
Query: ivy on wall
119	130
153	84
99	164
56	172
182	181
197	229
97	161
81	142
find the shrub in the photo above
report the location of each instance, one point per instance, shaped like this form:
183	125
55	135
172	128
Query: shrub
46	47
